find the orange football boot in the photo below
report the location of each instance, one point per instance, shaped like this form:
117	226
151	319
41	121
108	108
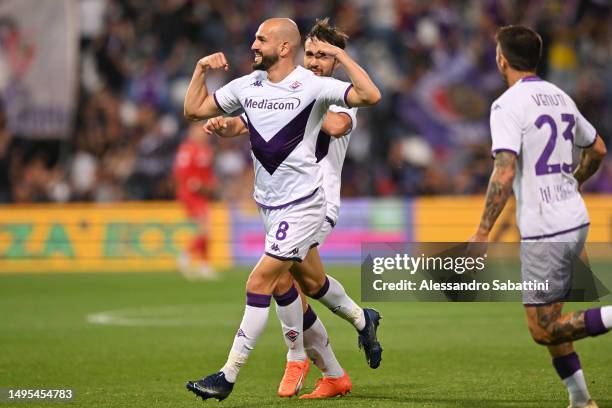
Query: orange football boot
328	387
294	378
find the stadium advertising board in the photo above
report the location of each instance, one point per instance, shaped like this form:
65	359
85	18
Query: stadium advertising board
148	237
120	237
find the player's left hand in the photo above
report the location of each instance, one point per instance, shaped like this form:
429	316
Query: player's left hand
215	125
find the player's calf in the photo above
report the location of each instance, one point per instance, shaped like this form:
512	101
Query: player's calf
549	327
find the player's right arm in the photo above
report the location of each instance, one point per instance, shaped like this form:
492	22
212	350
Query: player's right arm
498	193
337	124
590	160
225	127
364	92
199	104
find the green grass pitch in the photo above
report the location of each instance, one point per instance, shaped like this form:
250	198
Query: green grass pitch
166	330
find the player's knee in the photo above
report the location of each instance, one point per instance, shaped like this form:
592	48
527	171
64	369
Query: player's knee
257	284
283	284
313	288
541	335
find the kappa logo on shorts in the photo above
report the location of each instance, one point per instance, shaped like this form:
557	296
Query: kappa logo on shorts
275	247
240	333
295	251
292	335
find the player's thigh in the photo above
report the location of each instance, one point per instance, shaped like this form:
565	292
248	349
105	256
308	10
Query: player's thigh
284	283
309	273
291	231
540	318
266	274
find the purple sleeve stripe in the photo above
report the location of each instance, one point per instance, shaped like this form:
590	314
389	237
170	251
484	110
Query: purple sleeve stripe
494	152
217	102
346	94
589	145
244	121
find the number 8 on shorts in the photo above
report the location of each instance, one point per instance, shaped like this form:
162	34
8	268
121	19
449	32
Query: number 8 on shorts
281	233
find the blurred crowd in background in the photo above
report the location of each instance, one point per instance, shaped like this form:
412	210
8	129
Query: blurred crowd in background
434	61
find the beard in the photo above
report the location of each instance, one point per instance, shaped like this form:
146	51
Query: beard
266	62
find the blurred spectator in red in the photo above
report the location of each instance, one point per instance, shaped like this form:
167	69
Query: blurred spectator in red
195	186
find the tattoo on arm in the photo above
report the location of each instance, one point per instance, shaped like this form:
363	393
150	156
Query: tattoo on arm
499	190
587	167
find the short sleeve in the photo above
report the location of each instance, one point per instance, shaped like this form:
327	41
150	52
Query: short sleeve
351	112
585	132
333	91
227	98
505	130
244	119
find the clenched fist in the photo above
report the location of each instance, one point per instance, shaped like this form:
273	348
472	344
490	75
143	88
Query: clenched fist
214	61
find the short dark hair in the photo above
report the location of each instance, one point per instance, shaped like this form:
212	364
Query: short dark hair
521	46
330	34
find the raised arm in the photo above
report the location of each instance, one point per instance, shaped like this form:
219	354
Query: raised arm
225	127
337	124
364	92
199	104
498	192
590	160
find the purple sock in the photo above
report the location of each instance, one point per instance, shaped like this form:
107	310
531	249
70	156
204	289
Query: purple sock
288	297
593	322
323	290
258	300
309	318
567	365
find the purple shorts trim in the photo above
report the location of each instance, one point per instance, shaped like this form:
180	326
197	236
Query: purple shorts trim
593	322
316	244
277	207
322	291
494	152
330	221
258	300
567	365
282	258
589	145
346	95
557	233
217	102
287	298
309	318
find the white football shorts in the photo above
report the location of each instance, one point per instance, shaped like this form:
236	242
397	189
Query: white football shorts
294	228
